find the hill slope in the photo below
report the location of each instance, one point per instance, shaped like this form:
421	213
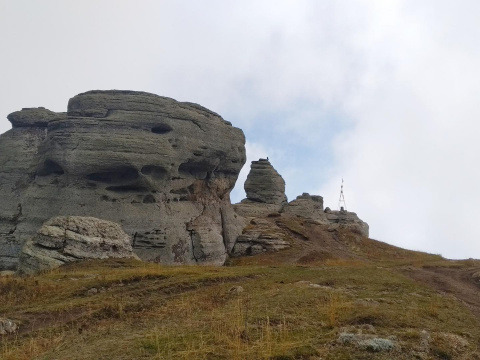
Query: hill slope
332	295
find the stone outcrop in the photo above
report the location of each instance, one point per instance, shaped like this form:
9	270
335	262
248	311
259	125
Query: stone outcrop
259	236
265	189
66	239
311	207
161	169
346	220
306	205
266	198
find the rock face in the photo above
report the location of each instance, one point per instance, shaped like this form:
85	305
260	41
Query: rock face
347	220
67	239
311	207
259	236
161	168
306	205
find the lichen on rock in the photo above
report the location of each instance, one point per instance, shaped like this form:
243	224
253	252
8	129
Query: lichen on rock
66	239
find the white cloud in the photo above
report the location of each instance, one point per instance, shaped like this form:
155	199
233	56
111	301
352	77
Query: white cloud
410	157
382	93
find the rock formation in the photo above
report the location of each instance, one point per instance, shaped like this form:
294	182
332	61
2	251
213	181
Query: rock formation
67	239
261	235
266	197
162	169
306	205
264	184
347	220
265	189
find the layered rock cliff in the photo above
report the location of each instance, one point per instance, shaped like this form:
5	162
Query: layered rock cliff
162	169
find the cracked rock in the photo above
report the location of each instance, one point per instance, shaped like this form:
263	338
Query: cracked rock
66	239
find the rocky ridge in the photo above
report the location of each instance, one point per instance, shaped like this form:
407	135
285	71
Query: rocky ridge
263	236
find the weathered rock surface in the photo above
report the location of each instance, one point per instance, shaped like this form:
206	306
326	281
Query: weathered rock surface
264	184
311	207
347	220
7	326
261	235
265	189
66	239
306	205
161	168
254	209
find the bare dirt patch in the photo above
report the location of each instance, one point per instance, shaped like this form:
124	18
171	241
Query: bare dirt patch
454	281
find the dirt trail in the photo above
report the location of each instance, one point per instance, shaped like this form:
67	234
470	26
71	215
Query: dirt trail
457	282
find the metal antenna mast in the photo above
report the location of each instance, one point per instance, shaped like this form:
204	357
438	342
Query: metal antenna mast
341	200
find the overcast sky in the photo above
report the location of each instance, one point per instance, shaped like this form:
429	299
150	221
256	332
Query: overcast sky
382	93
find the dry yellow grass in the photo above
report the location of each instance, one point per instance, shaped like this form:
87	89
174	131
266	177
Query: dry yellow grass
148	311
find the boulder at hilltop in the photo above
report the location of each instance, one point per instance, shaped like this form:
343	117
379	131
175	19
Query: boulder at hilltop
306	205
347	220
160	168
265	189
66	239
264	184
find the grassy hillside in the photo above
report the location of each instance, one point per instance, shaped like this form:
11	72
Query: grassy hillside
338	309
332	295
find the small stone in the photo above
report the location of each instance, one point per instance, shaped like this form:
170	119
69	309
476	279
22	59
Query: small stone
7	326
236	289
92	291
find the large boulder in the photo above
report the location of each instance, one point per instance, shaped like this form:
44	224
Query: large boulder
265	189
264	184
162	169
66	239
